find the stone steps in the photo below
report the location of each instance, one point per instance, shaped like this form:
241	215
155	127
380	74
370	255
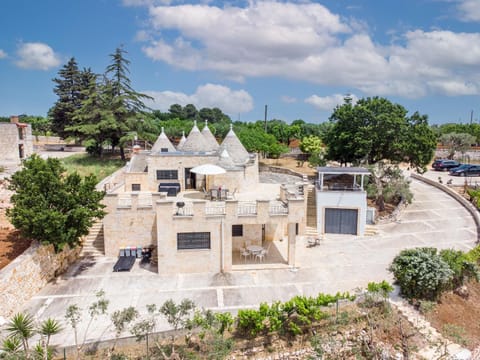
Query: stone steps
370	230
93	244
311	207
439	347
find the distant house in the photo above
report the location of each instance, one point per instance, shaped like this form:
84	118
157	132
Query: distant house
341	200
198	222
16	141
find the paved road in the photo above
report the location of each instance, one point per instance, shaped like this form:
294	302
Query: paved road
340	263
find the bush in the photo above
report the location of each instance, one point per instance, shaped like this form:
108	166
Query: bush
461	266
474	255
421	273
51	206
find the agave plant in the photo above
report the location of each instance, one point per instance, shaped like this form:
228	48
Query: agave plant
22	328
12	345
48	328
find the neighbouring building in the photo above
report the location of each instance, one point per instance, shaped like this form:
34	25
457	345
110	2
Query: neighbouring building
341	200
199	220
16	142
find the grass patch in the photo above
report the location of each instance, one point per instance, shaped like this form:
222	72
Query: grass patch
85	164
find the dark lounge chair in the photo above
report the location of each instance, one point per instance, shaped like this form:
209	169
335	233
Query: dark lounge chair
124	263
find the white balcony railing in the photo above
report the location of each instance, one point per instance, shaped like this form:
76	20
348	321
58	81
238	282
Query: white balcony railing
246	208
277	208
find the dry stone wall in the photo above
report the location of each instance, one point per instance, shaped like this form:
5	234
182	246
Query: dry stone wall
29	273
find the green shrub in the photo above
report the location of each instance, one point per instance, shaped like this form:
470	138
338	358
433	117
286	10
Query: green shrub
460	265
421	273
425	306
474	255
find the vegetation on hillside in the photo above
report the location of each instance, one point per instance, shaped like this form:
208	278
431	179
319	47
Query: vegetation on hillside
51	206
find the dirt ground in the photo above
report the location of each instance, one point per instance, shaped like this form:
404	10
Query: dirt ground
11	243
458	318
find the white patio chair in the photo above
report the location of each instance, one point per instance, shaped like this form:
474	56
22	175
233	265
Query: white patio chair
245	254
261	255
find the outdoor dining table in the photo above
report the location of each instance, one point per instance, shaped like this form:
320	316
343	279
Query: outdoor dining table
254	249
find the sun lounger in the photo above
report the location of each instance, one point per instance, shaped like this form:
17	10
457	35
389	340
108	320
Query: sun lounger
124	263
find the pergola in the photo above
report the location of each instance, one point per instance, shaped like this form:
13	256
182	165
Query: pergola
355	171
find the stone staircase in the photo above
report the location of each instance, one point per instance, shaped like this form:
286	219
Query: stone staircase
370	230
438	347
93	245
311	207
311	232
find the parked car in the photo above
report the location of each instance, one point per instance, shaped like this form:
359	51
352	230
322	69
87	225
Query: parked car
466	170
445	164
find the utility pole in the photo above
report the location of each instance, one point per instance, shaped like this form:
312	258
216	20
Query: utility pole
266	107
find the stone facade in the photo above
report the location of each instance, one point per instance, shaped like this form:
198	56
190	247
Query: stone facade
197	235
29	273
16	142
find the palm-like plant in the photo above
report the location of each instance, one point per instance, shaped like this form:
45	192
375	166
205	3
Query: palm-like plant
48	328
22	328
11	345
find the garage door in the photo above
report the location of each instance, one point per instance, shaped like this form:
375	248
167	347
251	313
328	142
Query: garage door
341	221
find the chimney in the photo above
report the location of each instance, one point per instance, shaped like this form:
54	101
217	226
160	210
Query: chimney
14	119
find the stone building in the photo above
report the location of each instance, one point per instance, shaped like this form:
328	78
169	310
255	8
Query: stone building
341	200
16	142
198	222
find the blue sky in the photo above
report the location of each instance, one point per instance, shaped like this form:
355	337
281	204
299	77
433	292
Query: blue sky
298	57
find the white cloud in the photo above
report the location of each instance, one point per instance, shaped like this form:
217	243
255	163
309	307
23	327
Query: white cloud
146	2
329	102
469	10
305	41
208	95
3	54
38	56
289	99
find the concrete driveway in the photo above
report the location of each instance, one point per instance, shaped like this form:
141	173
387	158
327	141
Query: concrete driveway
340	263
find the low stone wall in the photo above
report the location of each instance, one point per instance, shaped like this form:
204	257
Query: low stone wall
466	204
281	170
29	273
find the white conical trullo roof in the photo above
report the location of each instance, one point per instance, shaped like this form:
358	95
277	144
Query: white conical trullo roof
195	141
225	160
182	141
234	148
212	144
163	143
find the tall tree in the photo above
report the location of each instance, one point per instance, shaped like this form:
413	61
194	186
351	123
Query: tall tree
95	122
457	142
125	103
68	88
50	206
374	129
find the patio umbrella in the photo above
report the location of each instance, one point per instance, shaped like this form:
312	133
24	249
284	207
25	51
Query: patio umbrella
208	169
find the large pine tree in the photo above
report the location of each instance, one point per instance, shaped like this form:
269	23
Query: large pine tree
68	88
125	103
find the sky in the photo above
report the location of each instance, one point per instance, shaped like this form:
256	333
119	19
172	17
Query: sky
300	58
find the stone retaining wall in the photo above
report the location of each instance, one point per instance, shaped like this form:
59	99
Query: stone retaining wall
466	204
29	273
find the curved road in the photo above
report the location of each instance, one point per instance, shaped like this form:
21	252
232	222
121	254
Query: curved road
340	263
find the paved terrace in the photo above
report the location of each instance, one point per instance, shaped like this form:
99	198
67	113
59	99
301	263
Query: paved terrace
339	263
